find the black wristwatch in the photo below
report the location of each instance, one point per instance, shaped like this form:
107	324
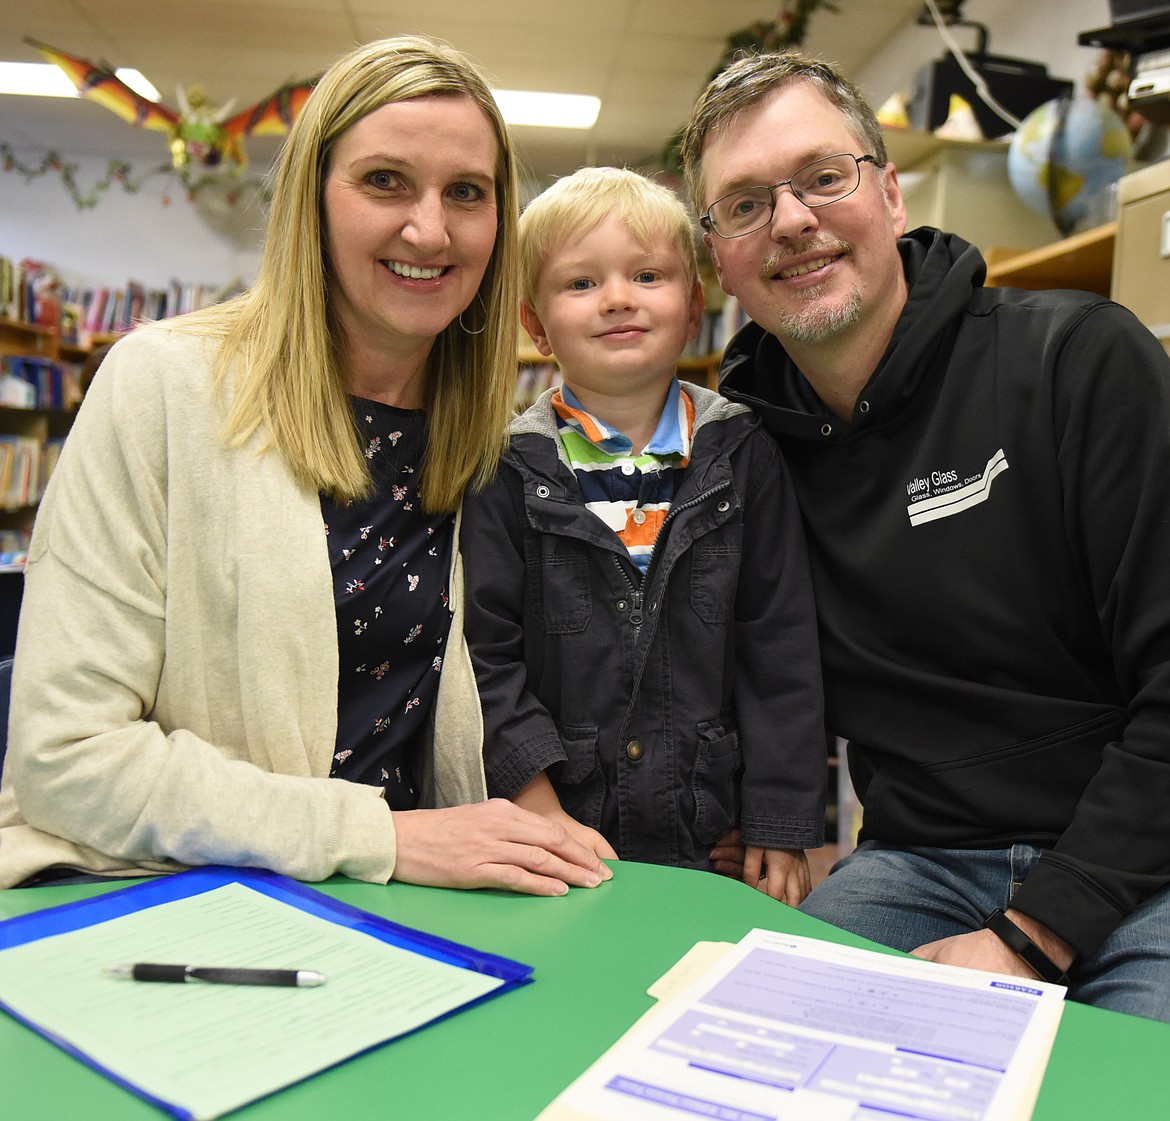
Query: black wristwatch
1023	947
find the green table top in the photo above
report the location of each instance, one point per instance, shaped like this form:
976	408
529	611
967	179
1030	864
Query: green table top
595	953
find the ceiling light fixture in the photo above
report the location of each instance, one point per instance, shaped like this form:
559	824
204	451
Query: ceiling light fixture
519	107
42	79
548	110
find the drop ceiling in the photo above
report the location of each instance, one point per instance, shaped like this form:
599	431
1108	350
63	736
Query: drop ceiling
646	59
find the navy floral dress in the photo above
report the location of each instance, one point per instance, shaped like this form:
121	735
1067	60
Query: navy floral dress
390	562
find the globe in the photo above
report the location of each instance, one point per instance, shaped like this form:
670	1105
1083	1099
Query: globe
1056	169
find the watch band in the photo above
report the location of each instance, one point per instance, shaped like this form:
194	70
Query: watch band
1023	947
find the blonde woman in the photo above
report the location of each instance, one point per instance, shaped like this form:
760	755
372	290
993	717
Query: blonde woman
241	641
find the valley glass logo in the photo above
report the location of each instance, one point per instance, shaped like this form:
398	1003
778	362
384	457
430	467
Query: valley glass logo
943	492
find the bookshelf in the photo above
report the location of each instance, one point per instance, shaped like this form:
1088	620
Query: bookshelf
701	369
48	331
37	366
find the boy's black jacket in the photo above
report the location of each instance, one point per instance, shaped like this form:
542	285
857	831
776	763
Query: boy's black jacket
664	711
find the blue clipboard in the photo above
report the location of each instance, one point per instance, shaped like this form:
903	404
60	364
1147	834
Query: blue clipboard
165	889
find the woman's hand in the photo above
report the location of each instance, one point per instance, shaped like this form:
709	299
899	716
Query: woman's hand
492	844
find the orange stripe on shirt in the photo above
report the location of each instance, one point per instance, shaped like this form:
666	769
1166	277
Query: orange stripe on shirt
689	429
588	425
646	533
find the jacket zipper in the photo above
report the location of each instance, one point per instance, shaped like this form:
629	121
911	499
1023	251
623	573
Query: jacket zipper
636	598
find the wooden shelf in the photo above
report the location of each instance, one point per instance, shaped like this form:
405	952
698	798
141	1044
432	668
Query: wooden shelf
17	337
703	369
80	351
1083	261
32	329
963	187
29	435
909	148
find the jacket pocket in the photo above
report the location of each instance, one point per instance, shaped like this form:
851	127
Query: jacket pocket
715	563
715	783
557	584
578	781
1026	791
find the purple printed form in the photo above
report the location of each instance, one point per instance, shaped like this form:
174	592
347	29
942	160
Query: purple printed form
791	1028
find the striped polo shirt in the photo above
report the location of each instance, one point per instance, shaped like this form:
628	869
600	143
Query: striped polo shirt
630	491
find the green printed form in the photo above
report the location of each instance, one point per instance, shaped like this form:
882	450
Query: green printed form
209	1048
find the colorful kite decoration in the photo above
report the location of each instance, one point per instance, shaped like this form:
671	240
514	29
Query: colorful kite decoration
199	133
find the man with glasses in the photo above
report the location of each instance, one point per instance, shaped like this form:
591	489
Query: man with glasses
985	480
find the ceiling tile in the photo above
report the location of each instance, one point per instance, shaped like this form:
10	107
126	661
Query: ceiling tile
647	59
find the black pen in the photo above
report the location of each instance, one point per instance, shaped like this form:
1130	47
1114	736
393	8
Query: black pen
145	971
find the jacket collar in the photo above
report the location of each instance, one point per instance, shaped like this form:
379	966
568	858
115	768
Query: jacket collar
535	448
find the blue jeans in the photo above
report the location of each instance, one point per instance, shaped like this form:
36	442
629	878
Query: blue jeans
906	897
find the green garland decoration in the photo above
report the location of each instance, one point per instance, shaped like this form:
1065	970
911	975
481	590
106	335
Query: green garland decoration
118	172
121	174
785	32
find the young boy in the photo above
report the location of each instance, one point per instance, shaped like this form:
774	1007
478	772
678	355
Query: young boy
639	606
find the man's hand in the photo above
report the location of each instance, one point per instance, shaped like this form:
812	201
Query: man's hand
492	844
980	949
728	855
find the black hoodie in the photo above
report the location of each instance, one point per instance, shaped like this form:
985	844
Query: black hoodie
990	542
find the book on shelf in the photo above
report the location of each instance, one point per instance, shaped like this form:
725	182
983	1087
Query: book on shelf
20	471
7	459
104	310
31	382
112	316
533	379
50	455
26	473
15	392
31	292
13	547
94	303
716	329
11	283
69	329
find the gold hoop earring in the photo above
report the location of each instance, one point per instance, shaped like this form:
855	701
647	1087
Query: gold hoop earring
467	329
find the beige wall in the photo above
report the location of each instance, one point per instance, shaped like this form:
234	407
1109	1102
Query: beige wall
1042	31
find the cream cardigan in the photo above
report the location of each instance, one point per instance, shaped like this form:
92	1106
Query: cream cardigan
175	688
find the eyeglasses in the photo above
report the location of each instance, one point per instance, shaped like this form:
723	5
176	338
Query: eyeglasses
816	184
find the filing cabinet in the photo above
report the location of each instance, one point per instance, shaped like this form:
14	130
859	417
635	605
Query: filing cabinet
1141	250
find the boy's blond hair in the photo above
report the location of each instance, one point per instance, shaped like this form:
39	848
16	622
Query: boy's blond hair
572	206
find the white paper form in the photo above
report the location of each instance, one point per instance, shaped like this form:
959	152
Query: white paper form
210	1048
783	1028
